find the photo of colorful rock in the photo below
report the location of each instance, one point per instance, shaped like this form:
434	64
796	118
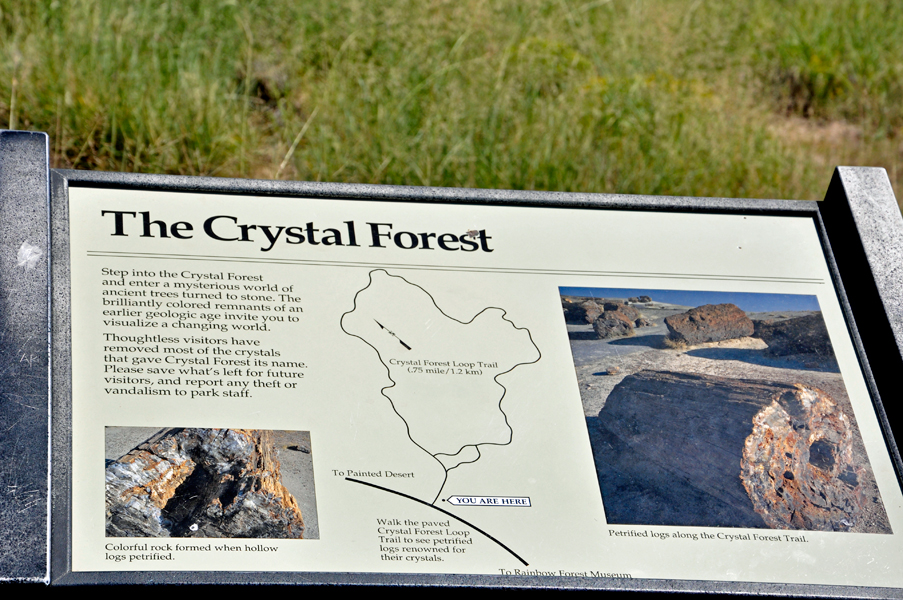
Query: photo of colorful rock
214	483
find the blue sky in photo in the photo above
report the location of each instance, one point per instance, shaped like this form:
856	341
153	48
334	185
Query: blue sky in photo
747	301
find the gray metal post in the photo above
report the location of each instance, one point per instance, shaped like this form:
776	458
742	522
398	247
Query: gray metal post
24	357
863	221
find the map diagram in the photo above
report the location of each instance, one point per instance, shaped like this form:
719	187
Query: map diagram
444	372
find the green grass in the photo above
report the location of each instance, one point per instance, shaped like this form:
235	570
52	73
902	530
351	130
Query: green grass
734	98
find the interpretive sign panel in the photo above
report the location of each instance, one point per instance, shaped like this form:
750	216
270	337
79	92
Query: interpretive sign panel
280	382
310	385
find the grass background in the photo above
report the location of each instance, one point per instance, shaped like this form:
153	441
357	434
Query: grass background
743	98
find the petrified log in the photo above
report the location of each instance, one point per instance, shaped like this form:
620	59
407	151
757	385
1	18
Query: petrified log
612	324
582	312
709	323
802	335
201	483
625	309
669	448
572	312
797	464
591	311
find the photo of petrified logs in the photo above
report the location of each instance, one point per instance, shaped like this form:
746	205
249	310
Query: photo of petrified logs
688	449
221	483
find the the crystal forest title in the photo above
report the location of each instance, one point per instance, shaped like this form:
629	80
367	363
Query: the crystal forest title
225	228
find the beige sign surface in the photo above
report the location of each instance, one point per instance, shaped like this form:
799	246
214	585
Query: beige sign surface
276	384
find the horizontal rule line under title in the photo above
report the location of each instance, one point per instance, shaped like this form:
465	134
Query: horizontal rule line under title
224	228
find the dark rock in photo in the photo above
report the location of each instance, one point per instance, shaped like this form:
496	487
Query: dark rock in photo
580	312
709	323
221	483
612	324
801	335
625	309
591	311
